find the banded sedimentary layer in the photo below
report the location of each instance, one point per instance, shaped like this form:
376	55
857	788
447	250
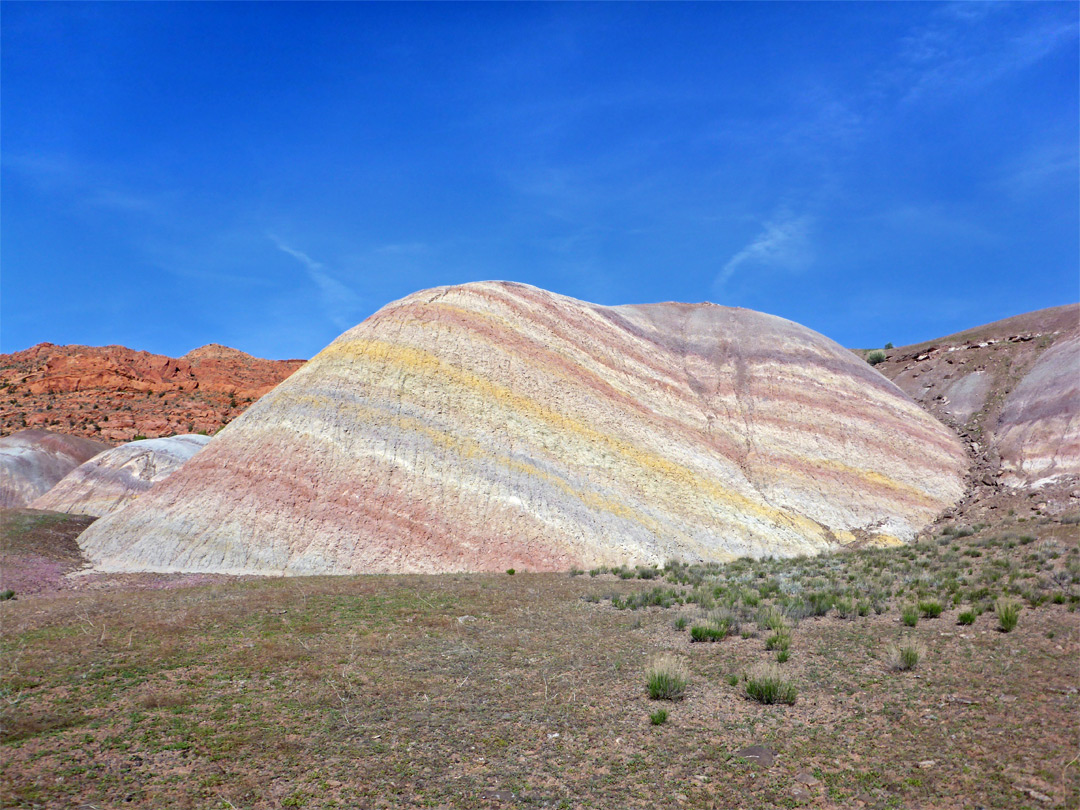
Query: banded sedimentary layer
111	479
1038	432
496	425
33	461
1011	388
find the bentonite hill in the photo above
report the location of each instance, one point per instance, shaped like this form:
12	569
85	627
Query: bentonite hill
111	479
496	425
33	461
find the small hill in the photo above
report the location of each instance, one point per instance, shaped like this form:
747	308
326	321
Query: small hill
114	394
111	479
1011	390
33	461
497	425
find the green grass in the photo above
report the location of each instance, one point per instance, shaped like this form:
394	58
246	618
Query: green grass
667	678
967	617
906	655
766	684
1008	614
659	717
910	615
930	609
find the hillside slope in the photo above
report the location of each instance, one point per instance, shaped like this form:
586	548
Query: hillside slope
1011	390
497	425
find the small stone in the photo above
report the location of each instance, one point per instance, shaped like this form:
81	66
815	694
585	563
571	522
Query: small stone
800	794
758	755
1039	797
926	764
807	778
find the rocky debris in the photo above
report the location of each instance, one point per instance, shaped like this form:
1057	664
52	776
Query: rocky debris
33	461
110	479
495	425
112	393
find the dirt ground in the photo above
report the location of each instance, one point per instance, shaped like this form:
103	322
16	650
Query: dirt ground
476	691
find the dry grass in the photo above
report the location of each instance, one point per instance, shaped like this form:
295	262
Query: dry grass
451	691
906	654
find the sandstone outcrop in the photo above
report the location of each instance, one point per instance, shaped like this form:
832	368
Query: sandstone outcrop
111	479
33	461
496	425
115	394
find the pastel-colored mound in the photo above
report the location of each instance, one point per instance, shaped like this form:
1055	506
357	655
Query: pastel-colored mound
495	425
1038	432
33	461
111	479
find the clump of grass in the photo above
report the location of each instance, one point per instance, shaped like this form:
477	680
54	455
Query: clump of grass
967	617
1008	613
6	595
733	679
930	609
782	656
771	618
511	571
680	623
707	632
910	615
659	717
905	655
667	678
765	684
780	640
719	624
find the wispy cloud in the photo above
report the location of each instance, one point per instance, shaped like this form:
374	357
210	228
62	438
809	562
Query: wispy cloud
339	302
968	46
783	244
82	184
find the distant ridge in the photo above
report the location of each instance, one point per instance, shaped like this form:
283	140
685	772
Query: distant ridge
113	393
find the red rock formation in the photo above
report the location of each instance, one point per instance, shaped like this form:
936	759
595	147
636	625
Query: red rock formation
113	393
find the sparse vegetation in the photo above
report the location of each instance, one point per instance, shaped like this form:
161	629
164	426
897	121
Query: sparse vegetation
345	670
659	717
875	357
910	615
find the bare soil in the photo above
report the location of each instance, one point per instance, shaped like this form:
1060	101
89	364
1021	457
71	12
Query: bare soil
476	691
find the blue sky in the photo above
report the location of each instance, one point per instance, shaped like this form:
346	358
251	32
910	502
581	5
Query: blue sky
266	175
